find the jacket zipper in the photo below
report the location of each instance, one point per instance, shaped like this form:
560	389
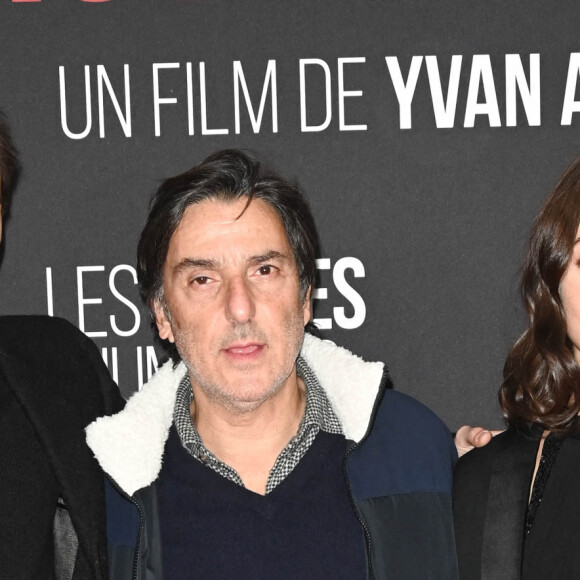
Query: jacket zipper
134	576
378	400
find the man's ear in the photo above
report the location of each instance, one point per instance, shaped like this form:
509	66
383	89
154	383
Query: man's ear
162	321
307	306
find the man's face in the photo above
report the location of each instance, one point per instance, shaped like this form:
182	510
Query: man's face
232	302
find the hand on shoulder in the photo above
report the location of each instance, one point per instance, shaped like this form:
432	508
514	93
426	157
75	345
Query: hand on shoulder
468	437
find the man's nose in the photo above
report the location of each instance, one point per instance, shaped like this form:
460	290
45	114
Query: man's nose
240	305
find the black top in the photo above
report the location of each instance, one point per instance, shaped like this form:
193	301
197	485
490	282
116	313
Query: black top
550	452
490	501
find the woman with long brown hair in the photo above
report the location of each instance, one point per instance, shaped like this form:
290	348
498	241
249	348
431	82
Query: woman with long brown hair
517	500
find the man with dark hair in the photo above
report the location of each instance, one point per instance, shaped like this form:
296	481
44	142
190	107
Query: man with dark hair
261	451
52	383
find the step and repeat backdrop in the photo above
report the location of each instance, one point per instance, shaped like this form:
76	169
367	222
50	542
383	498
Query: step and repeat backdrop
426	136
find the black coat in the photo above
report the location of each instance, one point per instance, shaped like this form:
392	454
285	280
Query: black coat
490	497
53	383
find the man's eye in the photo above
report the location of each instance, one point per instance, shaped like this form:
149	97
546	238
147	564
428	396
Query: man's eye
265	270
201	280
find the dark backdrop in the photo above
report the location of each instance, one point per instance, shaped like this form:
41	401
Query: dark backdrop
423	204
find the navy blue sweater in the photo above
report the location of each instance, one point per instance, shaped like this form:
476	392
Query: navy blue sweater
213	528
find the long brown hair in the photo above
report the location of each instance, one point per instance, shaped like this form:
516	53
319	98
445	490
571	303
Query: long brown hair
541	378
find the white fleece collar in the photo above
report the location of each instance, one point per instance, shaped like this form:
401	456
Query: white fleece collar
129	445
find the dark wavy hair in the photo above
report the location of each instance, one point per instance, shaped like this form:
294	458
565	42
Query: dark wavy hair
541	378
226	175
8	165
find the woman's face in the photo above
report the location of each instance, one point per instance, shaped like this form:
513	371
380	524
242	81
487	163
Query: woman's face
570	295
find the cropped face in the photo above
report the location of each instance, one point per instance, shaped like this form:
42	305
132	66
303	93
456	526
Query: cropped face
570	295
0	207
232	302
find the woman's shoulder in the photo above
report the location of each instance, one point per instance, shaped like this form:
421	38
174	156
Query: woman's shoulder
510	452
478	462
490	492
478	458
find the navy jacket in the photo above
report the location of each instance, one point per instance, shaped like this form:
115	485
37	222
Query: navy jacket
398	470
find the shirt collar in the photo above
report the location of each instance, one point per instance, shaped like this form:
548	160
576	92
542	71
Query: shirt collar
318	413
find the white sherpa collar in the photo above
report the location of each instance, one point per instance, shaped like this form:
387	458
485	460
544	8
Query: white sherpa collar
129	445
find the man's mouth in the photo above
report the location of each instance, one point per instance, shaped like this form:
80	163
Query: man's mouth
246	350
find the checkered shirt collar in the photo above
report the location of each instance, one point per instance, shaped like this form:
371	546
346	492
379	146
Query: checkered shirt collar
318	415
